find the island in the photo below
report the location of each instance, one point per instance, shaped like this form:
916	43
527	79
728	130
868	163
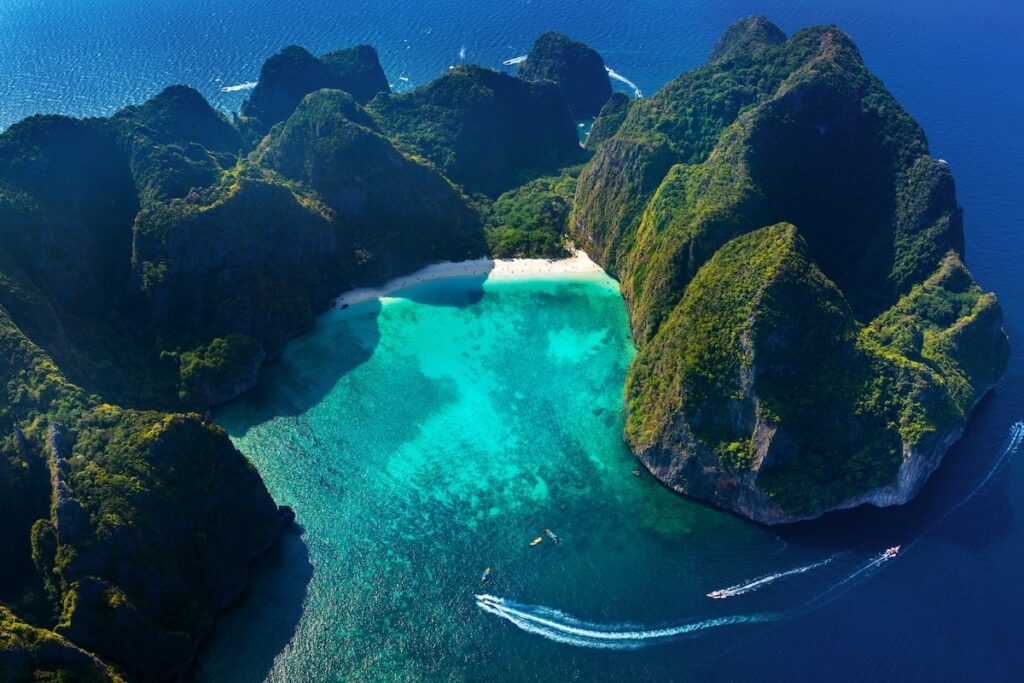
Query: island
791	256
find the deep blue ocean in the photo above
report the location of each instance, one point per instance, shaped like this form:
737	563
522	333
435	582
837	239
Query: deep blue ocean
951	607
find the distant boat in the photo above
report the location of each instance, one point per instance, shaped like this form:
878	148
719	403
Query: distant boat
636	473
536	541
891	552
551	534
487	576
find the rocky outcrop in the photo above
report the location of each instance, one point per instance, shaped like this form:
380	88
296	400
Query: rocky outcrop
748	36
486	131
781	408
179	115
219	371
752	413
31	653
359	72
293	73
608	122
155	563
398	213
574	66
274	251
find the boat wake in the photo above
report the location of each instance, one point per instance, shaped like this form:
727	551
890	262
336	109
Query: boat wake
563	628
514	60
621	79
1012	445
249	85
751	586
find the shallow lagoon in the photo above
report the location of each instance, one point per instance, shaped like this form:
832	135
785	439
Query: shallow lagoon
425	437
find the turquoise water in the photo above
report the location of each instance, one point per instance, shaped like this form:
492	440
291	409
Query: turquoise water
427	438
352	598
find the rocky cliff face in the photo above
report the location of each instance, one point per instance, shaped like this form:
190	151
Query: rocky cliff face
149	263
293	73
574	66
30	653
813	398
485	130
791	256
142	530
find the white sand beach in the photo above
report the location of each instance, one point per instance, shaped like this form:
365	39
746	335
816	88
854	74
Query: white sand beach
495	269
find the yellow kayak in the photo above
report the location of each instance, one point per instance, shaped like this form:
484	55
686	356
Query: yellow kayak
536	540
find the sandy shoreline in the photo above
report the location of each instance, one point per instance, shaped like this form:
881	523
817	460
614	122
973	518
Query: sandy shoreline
494	269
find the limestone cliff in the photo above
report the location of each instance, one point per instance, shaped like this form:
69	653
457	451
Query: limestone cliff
781	399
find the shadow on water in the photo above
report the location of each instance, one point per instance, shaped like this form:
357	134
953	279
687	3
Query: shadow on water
341	341
250	634
934	511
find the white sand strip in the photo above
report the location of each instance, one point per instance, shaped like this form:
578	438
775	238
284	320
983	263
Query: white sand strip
495	269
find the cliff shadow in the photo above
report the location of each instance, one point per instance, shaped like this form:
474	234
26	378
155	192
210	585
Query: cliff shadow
307	370
250	634
341	341
460	290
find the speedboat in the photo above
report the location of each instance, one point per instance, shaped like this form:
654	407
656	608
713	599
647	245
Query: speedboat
536	541
487	575
891	552
636	473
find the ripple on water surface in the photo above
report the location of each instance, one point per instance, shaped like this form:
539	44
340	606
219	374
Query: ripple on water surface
437	434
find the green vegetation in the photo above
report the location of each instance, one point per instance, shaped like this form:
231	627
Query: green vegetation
532	221
747	36
28	653
802	363
293	73
211	372
484	130
576	67
150	261
609	120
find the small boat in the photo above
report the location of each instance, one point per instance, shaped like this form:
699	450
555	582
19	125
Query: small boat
536	541
636	473
551	534
344	306
487	576
891	552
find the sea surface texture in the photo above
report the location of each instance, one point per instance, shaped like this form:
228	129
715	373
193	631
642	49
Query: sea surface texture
425	439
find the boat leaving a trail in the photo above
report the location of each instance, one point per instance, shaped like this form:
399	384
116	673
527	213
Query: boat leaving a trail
536	541
891	552
486	576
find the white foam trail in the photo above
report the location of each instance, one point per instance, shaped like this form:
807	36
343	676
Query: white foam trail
743	588
1012	445
248	85
622	79
564	628
514	60
1016	436
462	53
